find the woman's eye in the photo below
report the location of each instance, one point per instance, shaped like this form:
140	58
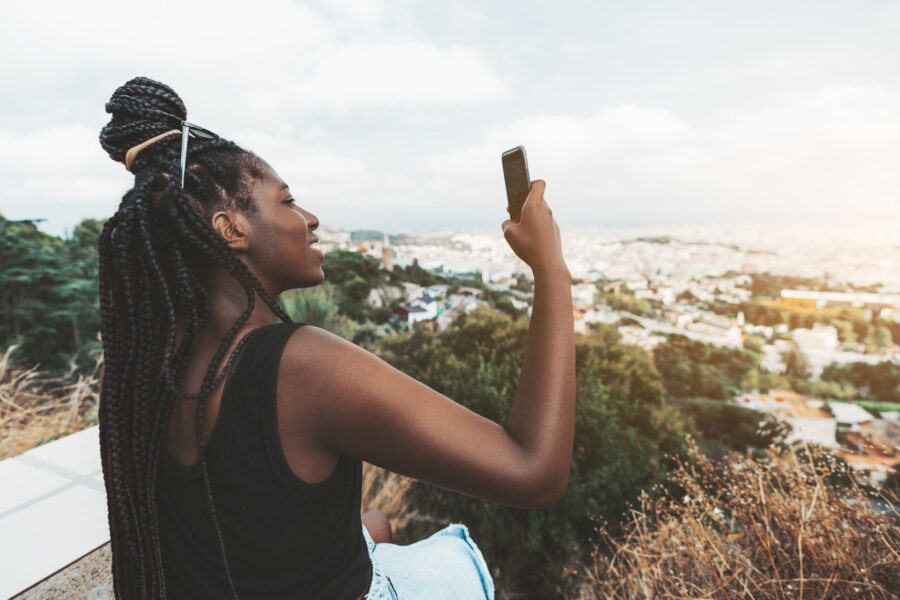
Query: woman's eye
290	201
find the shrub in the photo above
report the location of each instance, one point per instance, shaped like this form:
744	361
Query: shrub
748	529
727	425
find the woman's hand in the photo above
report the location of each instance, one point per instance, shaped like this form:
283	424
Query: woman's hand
535	238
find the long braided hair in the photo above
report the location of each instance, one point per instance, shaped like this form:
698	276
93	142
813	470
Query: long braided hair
154	253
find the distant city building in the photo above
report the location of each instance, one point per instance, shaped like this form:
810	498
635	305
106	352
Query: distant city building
809	421
387	254
820	337
771	359
636	283
638	336
583	294
722	329
850	414
874	302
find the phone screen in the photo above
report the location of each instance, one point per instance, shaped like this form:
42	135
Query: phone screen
518	182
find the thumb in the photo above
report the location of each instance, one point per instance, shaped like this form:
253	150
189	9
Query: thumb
506	224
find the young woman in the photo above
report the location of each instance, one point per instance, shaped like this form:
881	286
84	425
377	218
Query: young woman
248	486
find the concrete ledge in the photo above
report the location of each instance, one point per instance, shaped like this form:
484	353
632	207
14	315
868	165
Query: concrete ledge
52	509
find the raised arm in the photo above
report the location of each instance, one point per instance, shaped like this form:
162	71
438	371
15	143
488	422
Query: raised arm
353	402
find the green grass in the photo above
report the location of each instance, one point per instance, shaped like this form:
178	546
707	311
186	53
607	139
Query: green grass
880	406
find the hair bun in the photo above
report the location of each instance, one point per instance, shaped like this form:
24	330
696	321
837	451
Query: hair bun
141	109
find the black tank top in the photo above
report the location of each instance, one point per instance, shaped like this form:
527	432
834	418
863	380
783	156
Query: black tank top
285	538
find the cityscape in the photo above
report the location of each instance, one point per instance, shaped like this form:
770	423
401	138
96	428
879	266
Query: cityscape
655	283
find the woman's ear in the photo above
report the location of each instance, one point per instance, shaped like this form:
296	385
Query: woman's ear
233	228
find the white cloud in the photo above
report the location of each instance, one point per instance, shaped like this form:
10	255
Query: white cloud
827	153
275	61
318	175
61	164
58	39
386	74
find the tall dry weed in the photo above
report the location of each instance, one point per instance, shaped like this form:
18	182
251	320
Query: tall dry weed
387	492
771	529
34	408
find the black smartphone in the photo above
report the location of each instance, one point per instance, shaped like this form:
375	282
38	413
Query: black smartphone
515	172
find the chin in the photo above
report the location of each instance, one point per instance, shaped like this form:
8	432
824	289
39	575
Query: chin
312	281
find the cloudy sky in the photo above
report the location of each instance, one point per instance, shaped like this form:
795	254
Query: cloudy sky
393	115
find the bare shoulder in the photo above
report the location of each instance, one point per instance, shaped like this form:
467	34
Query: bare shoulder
337	381
314	359
309	345
325	377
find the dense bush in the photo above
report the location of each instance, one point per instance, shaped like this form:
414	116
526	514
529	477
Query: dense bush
724	425
624	430
693	369
318	306
880	382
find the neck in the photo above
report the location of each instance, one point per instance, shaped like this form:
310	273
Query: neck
227	301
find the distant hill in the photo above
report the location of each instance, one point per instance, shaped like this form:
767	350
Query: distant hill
371	235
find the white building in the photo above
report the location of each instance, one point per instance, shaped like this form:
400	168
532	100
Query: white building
584	293
809	422
423	308
820	337
638	336
771	360
850	414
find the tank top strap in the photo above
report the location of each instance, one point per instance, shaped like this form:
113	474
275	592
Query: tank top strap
250	376
270	343
341	478
250	370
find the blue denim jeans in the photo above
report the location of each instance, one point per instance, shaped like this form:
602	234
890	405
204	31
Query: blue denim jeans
447	565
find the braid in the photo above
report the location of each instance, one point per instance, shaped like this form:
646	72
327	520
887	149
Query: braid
152	254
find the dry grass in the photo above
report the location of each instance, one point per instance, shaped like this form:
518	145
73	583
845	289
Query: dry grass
386	491
773	529
35	409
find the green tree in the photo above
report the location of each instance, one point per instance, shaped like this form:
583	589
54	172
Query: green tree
754	343
354	275
49	294
750	381
882	337
728	425
880	382
690	368
416	274
795	362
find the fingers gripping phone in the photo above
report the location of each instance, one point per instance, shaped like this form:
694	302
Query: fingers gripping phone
518	182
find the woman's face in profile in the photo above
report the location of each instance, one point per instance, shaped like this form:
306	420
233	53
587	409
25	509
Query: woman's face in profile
280	249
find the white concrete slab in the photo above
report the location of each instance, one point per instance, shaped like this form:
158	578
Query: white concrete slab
42	538
78	452
21	483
